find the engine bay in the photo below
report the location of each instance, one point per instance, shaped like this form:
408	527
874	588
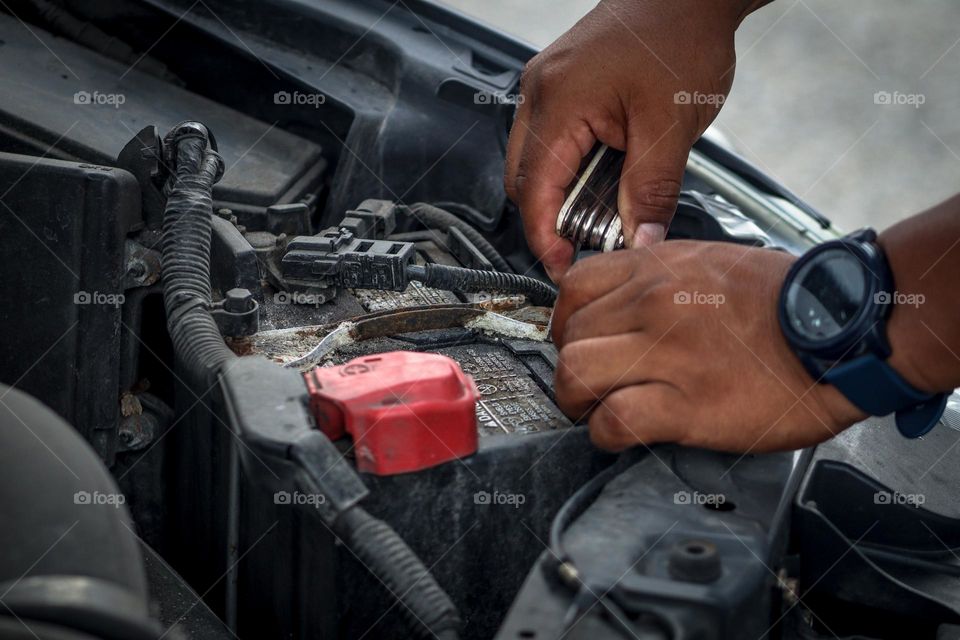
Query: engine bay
329	177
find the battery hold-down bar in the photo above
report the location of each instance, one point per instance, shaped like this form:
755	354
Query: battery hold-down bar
405	411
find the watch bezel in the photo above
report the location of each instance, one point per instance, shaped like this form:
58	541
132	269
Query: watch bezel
866	327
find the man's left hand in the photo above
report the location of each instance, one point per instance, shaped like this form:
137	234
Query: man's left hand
680	342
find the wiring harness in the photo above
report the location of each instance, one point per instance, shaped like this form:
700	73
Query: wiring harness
341	257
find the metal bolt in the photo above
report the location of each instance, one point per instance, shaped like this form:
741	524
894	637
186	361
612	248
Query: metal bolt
238	300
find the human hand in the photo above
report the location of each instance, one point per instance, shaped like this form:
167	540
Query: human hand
681	342
644	76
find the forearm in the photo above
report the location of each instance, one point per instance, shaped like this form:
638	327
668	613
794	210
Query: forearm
924	329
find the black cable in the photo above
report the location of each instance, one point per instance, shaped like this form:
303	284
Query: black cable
202	353
441	276
436	218
426	606
559	567
571	509
472	215
185	253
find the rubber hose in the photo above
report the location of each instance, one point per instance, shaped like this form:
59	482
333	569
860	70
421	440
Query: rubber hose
441	276
435	217
185	254
428	609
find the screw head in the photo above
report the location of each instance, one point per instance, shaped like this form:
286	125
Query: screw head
238	300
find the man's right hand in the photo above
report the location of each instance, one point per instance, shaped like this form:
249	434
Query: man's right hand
644	76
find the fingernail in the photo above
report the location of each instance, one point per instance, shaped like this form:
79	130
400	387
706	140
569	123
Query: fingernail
649	233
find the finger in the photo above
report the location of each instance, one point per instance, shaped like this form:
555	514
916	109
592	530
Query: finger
548	163
592	278
518	135
641	414
650	182
589	370
627	308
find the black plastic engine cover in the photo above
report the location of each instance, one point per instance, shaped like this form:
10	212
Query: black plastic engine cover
66	112
686	542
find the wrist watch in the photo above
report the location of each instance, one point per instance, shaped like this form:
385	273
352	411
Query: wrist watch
834	307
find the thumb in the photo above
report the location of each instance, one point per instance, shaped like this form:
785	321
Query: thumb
650	183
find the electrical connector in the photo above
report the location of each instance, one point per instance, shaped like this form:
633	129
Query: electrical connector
336	258
375	219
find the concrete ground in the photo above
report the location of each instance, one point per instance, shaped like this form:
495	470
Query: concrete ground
805	106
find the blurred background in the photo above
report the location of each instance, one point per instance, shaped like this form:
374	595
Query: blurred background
826	98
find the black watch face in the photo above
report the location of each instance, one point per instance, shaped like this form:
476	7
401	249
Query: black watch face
826	294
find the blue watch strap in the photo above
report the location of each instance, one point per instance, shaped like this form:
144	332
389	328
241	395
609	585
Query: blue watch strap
873	385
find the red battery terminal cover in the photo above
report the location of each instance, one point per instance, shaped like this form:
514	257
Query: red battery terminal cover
405	410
